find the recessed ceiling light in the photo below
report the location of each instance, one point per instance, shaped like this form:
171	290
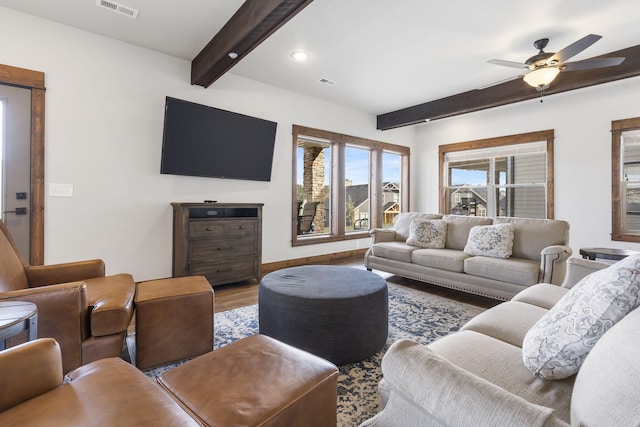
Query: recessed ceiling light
299	55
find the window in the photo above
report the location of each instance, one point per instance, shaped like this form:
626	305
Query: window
505	176
625	180
345	185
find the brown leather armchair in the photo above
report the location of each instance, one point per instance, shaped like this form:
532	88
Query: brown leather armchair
86	312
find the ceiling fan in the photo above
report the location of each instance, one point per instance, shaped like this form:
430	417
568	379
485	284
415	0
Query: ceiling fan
544	67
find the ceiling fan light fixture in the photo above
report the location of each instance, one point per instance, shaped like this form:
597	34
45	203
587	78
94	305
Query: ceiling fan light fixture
541	77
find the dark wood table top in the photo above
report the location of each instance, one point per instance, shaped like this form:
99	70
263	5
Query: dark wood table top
606	253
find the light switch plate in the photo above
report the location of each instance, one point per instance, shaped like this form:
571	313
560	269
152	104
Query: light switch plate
60	190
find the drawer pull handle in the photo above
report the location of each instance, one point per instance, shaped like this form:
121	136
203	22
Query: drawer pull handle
225	270
241	227
209	228
224	249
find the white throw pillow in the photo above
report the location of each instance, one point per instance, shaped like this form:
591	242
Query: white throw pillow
556	346
494	241
427	233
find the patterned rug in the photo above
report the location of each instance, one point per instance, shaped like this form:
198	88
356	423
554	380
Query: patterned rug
416	315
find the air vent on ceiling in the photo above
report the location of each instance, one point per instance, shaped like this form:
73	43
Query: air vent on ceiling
327	82
118	8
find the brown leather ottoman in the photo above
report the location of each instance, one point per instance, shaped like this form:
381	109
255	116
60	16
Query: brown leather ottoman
256	381
174	320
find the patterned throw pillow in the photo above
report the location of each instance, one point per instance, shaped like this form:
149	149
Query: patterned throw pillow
427	233
556	346
494	241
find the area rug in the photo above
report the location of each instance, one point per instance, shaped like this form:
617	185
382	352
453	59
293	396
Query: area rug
413	314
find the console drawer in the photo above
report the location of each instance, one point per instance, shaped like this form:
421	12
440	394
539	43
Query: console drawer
225	272
217	228
222	249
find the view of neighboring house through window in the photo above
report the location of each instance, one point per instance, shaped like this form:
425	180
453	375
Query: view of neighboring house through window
391	184
508	176
626	180
357	173
333	178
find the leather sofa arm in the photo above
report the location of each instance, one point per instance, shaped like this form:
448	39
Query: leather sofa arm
382	235
433	388
62	315
41	275
29	370
111	301
553	261
578	268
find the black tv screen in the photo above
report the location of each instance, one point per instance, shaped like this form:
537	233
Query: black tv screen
205	141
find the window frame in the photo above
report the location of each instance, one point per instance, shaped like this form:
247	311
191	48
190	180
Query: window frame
617	208
523	138
338	141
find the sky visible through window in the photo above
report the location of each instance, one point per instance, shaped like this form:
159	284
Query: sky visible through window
358	171
468	177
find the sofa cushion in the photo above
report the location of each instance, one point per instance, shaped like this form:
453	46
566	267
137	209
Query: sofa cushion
458	228
427	233
508	322
531	236
398	251
556	346
543	295
108	392
490	240
500	363
403	223
606	388
445	259
517	271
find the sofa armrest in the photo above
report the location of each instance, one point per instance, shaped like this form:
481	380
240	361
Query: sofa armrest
436	388
42	275
553	261
578	268
382	235
29	370
62	315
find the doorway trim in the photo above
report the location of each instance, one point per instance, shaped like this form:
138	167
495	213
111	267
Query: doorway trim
34	81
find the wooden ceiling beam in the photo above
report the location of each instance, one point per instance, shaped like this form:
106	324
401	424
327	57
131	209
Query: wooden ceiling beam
253	23
512	91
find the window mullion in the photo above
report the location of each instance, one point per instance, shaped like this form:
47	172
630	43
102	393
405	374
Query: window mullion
375	187
491	188
338	204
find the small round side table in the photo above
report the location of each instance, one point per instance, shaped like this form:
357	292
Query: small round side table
605	253
17	317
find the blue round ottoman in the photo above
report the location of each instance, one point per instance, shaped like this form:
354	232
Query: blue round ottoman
338	313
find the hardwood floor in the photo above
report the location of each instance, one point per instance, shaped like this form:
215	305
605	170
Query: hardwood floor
228	297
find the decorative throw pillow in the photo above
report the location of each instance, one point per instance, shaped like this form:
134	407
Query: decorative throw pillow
427	233
556	346
494	241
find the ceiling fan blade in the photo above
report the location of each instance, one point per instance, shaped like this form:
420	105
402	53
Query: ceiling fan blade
587	64
511	64
508	79
574	48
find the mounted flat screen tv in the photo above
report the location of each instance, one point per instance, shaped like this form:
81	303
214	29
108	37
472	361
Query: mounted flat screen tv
205	141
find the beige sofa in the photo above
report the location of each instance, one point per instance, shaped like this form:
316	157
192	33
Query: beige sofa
539	253
476	377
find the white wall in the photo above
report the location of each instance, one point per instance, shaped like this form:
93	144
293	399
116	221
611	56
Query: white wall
103	134
582	122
